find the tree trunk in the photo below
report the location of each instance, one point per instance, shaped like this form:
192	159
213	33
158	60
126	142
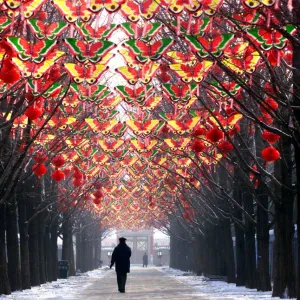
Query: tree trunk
239	237
53	250
229	255
24	248
263	276
47	253
13	254
4	282
284	276
33	247
250	249
41	237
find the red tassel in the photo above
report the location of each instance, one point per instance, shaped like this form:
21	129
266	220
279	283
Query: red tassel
268	18
178	25
278	58
189	24
290	5
276	6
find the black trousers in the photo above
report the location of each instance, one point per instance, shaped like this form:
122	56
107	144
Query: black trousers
121	279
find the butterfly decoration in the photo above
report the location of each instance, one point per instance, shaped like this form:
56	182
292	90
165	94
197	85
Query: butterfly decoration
36	71
183	127
131	11
143	128
27	7
209	7
89	52
134	93
129	57
267	39
150	103
257	3
109	102
178	6
143	74
73	10
107	115
110	145
109	5
182	58
141	146
213	46
5	23
103	127
149	8
146	51
93	34
243	58
145	32
43	30
88	73
91	93
36	52
61	123
177	144
179	93
192	73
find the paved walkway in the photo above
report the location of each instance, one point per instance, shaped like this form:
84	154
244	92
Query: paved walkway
142	284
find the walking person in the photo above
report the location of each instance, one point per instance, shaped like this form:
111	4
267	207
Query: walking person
145	260
121	257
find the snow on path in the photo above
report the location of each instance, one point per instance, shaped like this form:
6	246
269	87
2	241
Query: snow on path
216	290
54	290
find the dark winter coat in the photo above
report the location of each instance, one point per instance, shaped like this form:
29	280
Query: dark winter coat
145	259
121	257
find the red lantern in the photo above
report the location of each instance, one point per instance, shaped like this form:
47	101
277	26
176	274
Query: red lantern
214	135
97	201
40	157
198	146
198	130
67	172
58	175
33	112
77	175
98	194
270	137
225	146
77	182
272	103
39	169
270	154
58	161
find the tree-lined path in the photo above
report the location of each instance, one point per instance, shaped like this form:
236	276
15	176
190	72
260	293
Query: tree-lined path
142	284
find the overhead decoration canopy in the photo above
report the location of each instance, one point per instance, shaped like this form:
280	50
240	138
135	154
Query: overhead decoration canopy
131	100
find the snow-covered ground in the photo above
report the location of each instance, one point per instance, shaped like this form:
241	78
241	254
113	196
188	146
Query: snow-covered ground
54	290
216	290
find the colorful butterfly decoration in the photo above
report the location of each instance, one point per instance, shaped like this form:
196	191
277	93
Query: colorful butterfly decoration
36	52
146	32
197	28
29	68
89	52
179	93
192	73
93	34
110	145
110	5
267	39
183	127
91	93
26	7
131	94
143	74
43	30
214	46
144	128
73	10
146	51
88	73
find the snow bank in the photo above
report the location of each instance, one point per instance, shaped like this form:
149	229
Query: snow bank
60	289
216	290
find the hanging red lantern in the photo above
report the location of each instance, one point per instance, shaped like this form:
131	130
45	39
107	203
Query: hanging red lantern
214	135
198	145
77	182
58	161
272	103
78	175
33	112
58	175
270	136
39	169
225	146
198	130
97	201
67	172
98	194
40	157
270	154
